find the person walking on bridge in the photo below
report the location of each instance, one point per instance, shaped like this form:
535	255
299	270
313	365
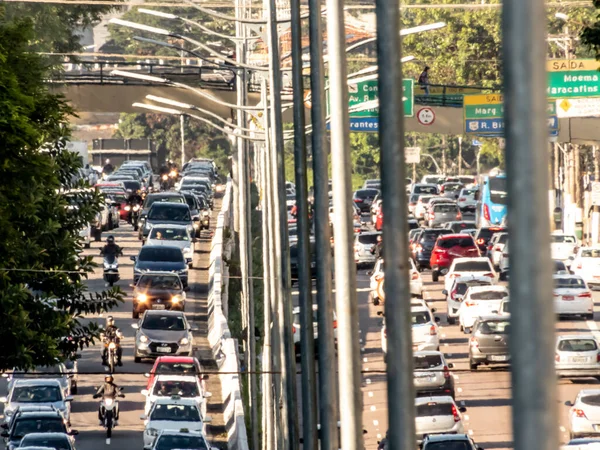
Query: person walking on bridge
424	80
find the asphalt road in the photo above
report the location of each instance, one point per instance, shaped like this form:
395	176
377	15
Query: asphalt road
128	435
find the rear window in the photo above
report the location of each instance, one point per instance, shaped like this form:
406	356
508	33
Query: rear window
364	193
489	295
559	266
560	239
161	254
487	233
449	445
472	266
445	208
569	283
577	345
502	239
590	253
425	190
461	288
505	306
172	199
434	409
453	187
593	400
494	327
368	238
459	226
419	317
427	361
424	198
456	242
432	235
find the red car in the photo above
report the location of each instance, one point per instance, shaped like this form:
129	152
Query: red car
450	246
174	365
379	220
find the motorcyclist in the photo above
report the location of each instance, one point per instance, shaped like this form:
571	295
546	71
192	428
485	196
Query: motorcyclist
111	248
108	390
377	249
112	333
108	168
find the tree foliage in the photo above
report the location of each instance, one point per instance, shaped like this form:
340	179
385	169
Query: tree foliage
42	210
590	35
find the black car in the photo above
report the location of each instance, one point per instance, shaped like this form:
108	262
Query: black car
169	214
160	258
363	198
294	260
424	245
33	422
172	197
158	290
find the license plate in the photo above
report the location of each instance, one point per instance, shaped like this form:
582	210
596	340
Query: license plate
425	377
597	277
498	357
568	297
580	359
158	306
163	349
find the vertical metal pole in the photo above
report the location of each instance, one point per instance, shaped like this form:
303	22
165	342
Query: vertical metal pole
268	403
345	269
288	369
182	132
328	407
401	400
532	322
460	155
307	343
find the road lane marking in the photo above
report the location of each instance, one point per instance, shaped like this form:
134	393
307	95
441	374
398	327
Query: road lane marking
376	423
365	359
593	326
366	369
455	376
370	394
373	408
378	436
462	403
368	381
443	336
563	429
470	432
466	417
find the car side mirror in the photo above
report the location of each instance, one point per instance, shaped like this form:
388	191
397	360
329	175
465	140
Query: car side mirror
5	434
434	310
437	319
207	419
133	258
135	326
462	409
143	417
69	398
3	399
144	392
4	425
569	403
450	365
188	260
445	292
207	395
147	375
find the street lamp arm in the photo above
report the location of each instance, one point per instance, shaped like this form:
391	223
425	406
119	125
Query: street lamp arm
437	167
219	15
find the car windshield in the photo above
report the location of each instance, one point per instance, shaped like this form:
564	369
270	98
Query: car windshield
488	295
169	234
180	368
368	238
559	266
461	288
425	190
160	254
166	322
51	442
460	226
419	317
434	409
456	242
562	239
164	212
577	345
427	361
180	442
45	425
449	445
498	193
366	193
159	282
592	400
171	199
432	235
472	266
414	198
168	388
569	283
177	413
494	327
445	208
595	253
36	394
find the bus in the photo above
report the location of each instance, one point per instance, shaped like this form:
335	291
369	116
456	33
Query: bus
491	201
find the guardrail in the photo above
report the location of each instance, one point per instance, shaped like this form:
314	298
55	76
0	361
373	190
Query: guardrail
223	346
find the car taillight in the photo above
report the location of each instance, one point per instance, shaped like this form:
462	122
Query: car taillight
498	249
432	215
473	342
446	372
453	294
486	212
462	199
579	266
415	276
335	324
598	358
459	216
455	414
579	413
489	275
557	357
470	303
293	329
480	241
455	275
358	200
432	330
385	333
489	247
585	295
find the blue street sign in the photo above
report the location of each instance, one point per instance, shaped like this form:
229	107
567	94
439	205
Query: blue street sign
363	124
476	143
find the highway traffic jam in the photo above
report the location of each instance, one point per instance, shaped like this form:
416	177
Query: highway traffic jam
460	314
143	386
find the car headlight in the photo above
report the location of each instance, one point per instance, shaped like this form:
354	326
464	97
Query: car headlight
152	432
196	225
182	271
143	338
176	299
187	250
110	266
184	341
128	208
142	298
8	412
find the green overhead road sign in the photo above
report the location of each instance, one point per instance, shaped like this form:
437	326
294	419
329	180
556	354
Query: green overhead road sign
366	91
573	78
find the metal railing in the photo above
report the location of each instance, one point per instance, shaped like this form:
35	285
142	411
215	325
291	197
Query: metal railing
449	95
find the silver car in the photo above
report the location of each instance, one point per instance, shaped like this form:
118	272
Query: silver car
58	372
432	374
577	356
440	213
466	200
37	392
438	415
173	236
161	333
363	243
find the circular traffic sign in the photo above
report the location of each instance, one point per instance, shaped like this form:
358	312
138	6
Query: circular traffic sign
426	116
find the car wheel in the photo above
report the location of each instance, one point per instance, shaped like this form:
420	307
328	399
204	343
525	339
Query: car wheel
137	359
502	276
88	244
135	314
589	316
472	366
74	389
467	330
451	320
435	276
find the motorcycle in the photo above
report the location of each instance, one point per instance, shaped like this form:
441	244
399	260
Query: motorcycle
111	269
134	215
164	182
109	408
205	220
111	355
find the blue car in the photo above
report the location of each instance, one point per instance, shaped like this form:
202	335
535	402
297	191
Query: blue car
160	258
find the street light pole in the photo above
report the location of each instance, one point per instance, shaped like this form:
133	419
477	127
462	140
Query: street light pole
182	132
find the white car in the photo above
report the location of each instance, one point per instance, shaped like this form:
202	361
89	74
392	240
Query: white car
504	308
425	335
480	301
496	247
459	288
421	206
172	236
37	392
466	199
577	356
563	246
584	415
184	386
180	439
173	413
587	265
191	180
437	415
416	282
572	296
480	267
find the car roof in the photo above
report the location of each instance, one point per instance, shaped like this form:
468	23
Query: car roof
47	435
437	399
40	415
560	276
175	400
154	247
180	359
564	337
171	377
163	312
158	273
428	353
419	308
475	258
456	235
493	287
164	194
169	204
166	225
466	278
589	392
36	381
447	437
491	317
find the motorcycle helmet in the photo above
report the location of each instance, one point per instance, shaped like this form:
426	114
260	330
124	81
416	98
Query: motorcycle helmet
108	378
107	161
110	240
110	321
